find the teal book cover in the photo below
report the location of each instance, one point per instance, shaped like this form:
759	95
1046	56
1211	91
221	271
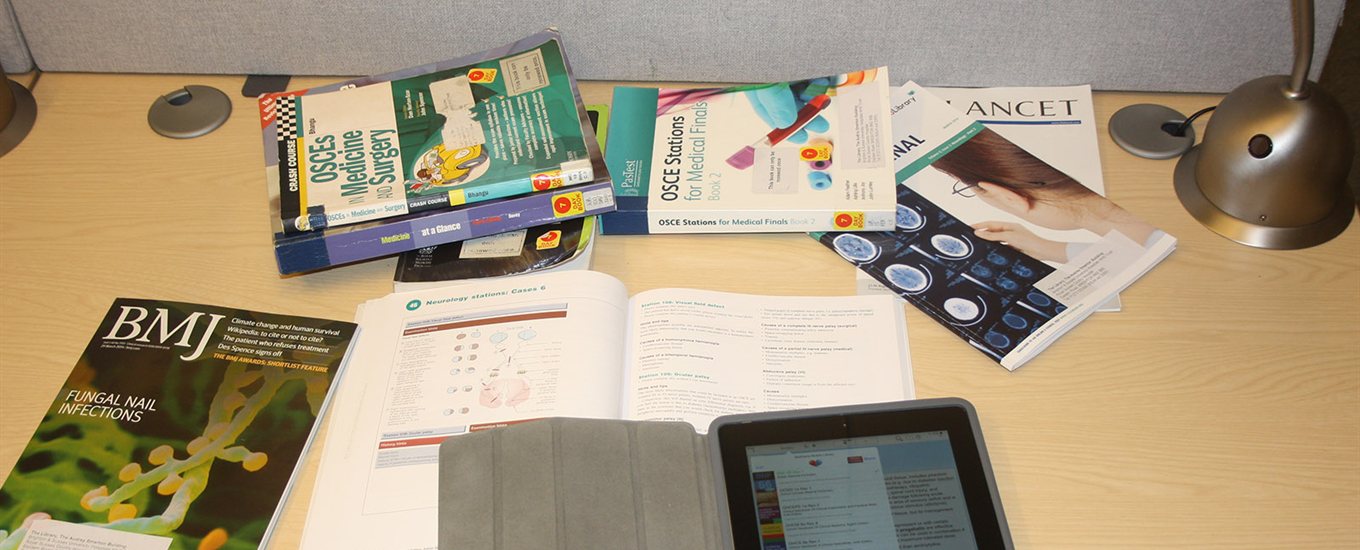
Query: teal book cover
180	427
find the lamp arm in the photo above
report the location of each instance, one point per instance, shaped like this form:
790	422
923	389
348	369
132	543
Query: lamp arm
1303	48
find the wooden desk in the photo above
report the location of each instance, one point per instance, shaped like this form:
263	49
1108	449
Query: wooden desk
1220	409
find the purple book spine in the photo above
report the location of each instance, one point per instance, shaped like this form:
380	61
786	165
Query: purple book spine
325	248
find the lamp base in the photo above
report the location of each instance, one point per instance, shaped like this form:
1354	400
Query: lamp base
25	113
1252	234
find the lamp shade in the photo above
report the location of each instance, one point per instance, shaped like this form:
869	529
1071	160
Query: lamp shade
1271	171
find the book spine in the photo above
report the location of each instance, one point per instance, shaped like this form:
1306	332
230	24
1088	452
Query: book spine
321	249
770	221
279	114
570	173
629	159
629	219
567	174
631	137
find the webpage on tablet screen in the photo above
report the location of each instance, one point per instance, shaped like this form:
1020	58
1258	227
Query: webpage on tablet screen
883	491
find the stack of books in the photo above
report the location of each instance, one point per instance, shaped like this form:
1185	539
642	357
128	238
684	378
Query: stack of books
982	235
493	142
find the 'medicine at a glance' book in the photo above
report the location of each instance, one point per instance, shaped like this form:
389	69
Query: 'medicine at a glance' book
312	250
807	155
995	244
492	125
180	427
452	360
552	247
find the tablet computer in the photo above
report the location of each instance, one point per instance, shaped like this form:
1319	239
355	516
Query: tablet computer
911	474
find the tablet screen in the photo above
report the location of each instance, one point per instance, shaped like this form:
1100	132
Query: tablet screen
885	491
906	475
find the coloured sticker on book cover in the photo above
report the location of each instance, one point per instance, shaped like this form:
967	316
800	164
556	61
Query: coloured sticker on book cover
568	204
849	220
550	179
457	197
551	239
482	76
815	151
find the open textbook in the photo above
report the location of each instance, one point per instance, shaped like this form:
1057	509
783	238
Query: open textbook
992	242
1057	124
453	360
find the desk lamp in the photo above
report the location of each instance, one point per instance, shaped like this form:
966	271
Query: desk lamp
18	111
1271	170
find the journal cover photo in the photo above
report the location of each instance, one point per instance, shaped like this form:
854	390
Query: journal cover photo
180	427
993	243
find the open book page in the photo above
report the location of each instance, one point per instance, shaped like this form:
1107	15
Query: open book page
1057	124
448	361
695	355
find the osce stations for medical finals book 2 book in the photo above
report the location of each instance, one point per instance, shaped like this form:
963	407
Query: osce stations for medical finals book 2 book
806	155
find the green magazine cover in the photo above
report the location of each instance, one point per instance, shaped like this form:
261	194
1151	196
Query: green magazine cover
181	426
492	125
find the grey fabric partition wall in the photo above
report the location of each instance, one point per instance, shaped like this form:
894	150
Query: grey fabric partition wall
14	56
1171	45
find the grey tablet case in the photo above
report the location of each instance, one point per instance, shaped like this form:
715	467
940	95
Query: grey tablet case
577	484
570	483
